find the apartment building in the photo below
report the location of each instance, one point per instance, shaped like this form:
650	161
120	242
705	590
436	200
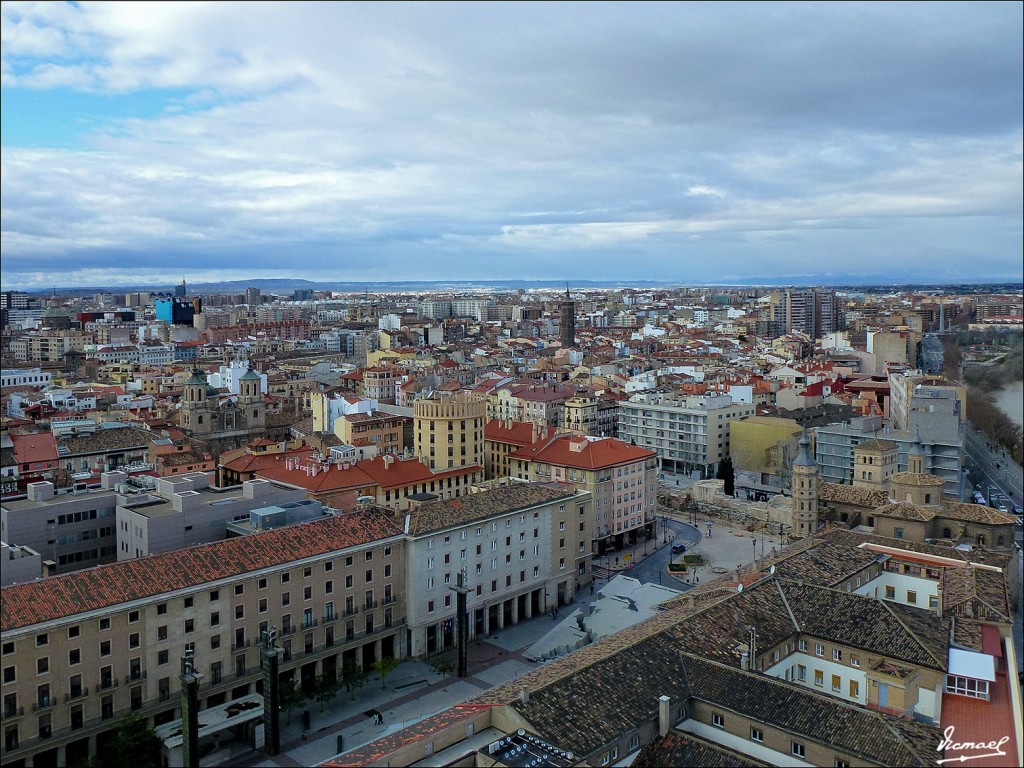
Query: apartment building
82	651
448	429
621	478
502	438
687	432
939	430
522	547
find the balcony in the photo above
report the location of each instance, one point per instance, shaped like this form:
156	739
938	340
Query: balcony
107	682
44	703
241	646
135	676
165	695
351	611
13	712
370	605
309	623
331	617
389	600
76	693
285	631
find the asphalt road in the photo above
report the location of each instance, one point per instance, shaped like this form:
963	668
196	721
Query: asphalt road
652	568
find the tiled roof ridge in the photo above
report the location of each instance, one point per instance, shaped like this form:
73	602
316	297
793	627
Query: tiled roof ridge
940	663
799	689
890	725
785	602
598	652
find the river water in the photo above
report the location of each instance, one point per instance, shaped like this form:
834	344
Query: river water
1010	400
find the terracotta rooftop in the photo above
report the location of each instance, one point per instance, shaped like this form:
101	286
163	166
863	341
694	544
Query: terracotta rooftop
676	749
106	586
583	453
916	478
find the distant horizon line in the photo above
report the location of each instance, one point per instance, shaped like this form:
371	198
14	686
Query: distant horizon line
291	284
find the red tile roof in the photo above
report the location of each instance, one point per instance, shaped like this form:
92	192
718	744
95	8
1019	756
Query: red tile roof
33	448
109	585
584	453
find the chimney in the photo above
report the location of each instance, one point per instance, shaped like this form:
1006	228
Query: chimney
744	661
663	715
524	695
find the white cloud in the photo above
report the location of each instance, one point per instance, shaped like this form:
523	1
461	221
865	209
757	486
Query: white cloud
408	133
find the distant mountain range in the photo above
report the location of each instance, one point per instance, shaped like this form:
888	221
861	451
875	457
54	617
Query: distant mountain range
288	285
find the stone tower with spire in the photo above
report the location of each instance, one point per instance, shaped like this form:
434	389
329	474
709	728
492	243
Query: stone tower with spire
567	326
805	490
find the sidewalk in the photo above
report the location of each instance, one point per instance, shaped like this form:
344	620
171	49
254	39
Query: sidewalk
412	692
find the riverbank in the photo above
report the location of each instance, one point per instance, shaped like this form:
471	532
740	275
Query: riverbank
1010	400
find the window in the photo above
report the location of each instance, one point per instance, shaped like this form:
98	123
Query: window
819	649
840	763
9	675
369	576
42	665
133	616
328	566
898	533
307	593
162	657
161	609
133	640
802	645
855	661
214	595
188	602
190	626
105	648
890	593
756	734
286	599
911	597
854	689
261	584
837	655
286	577
797	749
8	648
717	720
819	678
74	656
42	640
240	589
933	601
837	683
105	623
430	606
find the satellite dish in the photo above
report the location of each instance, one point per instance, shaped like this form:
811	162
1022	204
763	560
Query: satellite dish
771	570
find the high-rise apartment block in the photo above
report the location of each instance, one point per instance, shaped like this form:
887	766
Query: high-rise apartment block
687	432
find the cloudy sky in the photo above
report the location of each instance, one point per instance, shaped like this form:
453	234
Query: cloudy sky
143	143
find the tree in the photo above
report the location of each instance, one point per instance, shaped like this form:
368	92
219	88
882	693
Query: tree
443	665
135	745
725	472
291	697
385	667
324	689
352	676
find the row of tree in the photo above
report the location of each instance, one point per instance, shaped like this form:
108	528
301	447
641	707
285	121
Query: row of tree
982	411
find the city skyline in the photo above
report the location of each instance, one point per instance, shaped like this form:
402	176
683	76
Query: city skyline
688	143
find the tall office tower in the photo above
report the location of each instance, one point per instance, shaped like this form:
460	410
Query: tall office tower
252	296
567	329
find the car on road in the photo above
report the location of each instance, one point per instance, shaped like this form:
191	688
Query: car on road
678	548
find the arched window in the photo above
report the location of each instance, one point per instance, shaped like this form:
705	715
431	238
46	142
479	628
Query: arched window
634	741
255	413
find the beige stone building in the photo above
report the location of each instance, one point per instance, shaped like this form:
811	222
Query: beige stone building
448	430
84	650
